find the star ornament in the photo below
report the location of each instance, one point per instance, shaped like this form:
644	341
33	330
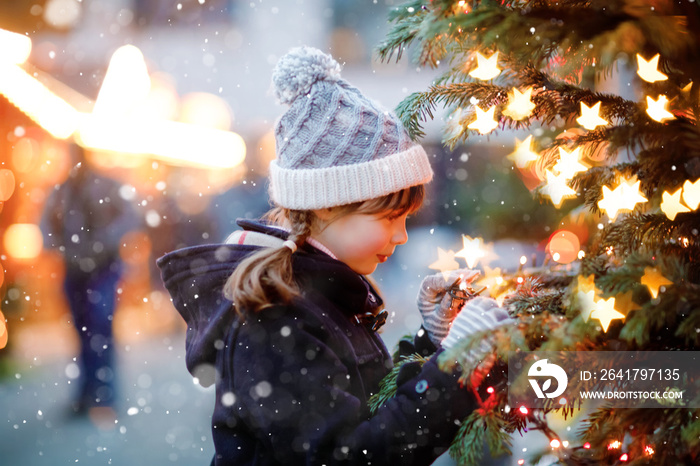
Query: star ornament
649	70
487	68
473	250
569	163
519	104
605	312
656	109
445	263
523	154
590	117
557	188
485	122
654	280
691	194
671	204
585	295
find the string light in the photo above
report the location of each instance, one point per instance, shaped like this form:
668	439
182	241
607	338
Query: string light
485	121
656	109
555	443
623	198
472	250
605	312
671	204
523	410
520	105
590	117
614	445
487	68
649	70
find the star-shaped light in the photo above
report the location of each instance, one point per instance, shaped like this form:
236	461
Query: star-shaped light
691	193
492	279
649	70
484	123
557	188
671	204
623	198
585	295
569	163
605	312
445	263
519	104
523	154
473	250
487	68
656	109
624	302
654	280
590	118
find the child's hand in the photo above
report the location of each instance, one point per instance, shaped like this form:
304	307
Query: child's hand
435	304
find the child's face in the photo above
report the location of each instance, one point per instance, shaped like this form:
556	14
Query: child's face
364	240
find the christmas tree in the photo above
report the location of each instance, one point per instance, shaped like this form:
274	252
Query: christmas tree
630	166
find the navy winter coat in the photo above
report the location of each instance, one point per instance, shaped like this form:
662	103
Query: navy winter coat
292	381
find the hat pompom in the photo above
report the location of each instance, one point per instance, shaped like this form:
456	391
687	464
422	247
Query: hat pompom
298	70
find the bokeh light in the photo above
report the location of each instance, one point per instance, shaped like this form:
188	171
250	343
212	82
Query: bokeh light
23	240
564	246
62	14
202	108
25	155
7	184
3	331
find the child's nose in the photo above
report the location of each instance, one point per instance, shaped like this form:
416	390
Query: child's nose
400	234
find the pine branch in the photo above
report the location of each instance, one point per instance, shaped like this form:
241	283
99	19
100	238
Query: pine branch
387	387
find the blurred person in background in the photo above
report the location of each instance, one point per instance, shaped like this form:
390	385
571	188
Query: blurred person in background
85	219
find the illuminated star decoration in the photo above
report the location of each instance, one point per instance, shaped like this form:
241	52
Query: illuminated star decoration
605	312
445	263
519	104
623	198
487	68
471	251
691	193
569	163
624	302
484	123
654	280
523	154
585	295
656	109
557	188
590	118
671	204
649	70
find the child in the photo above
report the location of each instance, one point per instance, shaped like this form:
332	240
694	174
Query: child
296	357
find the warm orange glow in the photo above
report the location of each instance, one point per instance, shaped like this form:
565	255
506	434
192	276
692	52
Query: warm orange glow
7	184
623	198
557	188
126	83
654	280
656	109
136	247
565	244
34	99
590	117
555	443
23	240
569	163
605	312
523	153
14	48
614	445
445	263
671	204
519	104
25	155
473	250
204	109
691	193
3	331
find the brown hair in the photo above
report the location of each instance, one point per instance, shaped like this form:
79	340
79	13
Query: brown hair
265	278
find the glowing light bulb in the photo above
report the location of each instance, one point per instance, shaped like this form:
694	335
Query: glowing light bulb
555	443
485	122
656	109
623	198
590	118
523	410
649	70
569	163
654	280
691	193
519	104
557	188
605	312
487	68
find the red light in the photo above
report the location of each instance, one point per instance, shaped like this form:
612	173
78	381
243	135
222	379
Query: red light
587	445
523	409
624	457
490	390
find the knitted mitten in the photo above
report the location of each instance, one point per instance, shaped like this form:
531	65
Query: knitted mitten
435	304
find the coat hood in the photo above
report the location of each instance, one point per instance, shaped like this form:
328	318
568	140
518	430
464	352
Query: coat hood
195	277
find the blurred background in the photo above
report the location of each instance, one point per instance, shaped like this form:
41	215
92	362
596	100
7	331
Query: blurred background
172	99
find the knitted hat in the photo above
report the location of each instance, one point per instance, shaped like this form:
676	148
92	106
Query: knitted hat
334	145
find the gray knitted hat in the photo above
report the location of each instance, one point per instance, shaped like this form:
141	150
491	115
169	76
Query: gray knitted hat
334	145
